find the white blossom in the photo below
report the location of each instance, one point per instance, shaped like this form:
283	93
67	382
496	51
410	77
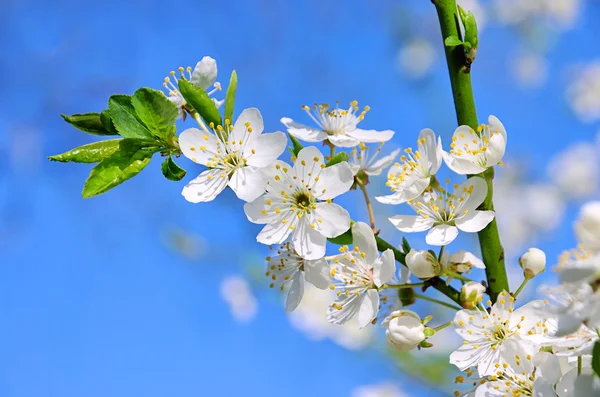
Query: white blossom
587	226
423	264
236	161
533	262
360	161
298	202
446	213
474	152
576	170
412	176
404	330
471	294
461	261
358	274
337	125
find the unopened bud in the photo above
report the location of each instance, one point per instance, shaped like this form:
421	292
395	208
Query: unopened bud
422	264
404	330
533	262
471	294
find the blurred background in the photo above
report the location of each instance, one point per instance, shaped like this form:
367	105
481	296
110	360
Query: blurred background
138	292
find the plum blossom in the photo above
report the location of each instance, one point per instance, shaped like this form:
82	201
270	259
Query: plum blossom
474	152
234	155
337	125
359	273
404	330
412	176
298	202
361	163
444	214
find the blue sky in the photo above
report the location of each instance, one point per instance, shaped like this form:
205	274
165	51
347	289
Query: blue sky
92	301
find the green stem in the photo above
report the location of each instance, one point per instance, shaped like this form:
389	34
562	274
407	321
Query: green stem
401	286
579	365
457	276
441	252
363	188
523	284
464	103
428	299
441	327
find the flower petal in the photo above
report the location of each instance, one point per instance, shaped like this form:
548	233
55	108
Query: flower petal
473	191
254	212
430	149
407	193
384	162
333	181
330	219
497	126
461	166
303	132
295	293
474	221
369	308
309	161
317	273
249	118
466	257
198	146
277	231
371	136
384	268
204	74
495	150
265	149
248	183
411	223
343	140
441	235
364	239
308	243
206	186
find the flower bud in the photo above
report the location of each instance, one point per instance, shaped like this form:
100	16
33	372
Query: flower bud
471	294
533	262
422	264
404	330
587	226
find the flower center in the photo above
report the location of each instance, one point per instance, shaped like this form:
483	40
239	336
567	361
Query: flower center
303	201
336	121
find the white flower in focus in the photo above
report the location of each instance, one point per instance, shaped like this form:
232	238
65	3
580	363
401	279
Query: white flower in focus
446	213
412	176
236	162
423	264
337	125
298	202
576	170
359	273
587	226
471	294
360	162
238	295
289	269
204	76
533	262
404	330
474	152
485	333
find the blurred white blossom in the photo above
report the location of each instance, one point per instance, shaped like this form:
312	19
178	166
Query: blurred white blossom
530	69
583	94
576	170
416	58
236	291
560	14
380	390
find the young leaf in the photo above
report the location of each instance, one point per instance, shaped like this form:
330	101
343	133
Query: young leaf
172	171
230	96
125	119
88	122
107	122
91	153
296	145
338	158
596	358
156	112
133	155
405	245
198	99
452	41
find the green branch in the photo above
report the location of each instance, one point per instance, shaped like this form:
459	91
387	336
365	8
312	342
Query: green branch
464	103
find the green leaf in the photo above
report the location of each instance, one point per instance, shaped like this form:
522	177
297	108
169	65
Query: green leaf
88	122
338	158
470	25
452	41
296	145
343	239
172	171
230	96
133	155
91	153
198	99
405	245
107	122
156	112
125	119
596	358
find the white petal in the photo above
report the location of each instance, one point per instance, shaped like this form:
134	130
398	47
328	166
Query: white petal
198	146
308	243
364	239
411	223
371	136
547	367
384	162
496	125
409	192
295	293
495	150
254	210
466	257
267	148
461	166
343	140
441	235
206	186
317	273
368	308
384	268
473	200
204	74
474	221
240	131
248	183
330	219
333	181
303	132
431	150
277	231
309	161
